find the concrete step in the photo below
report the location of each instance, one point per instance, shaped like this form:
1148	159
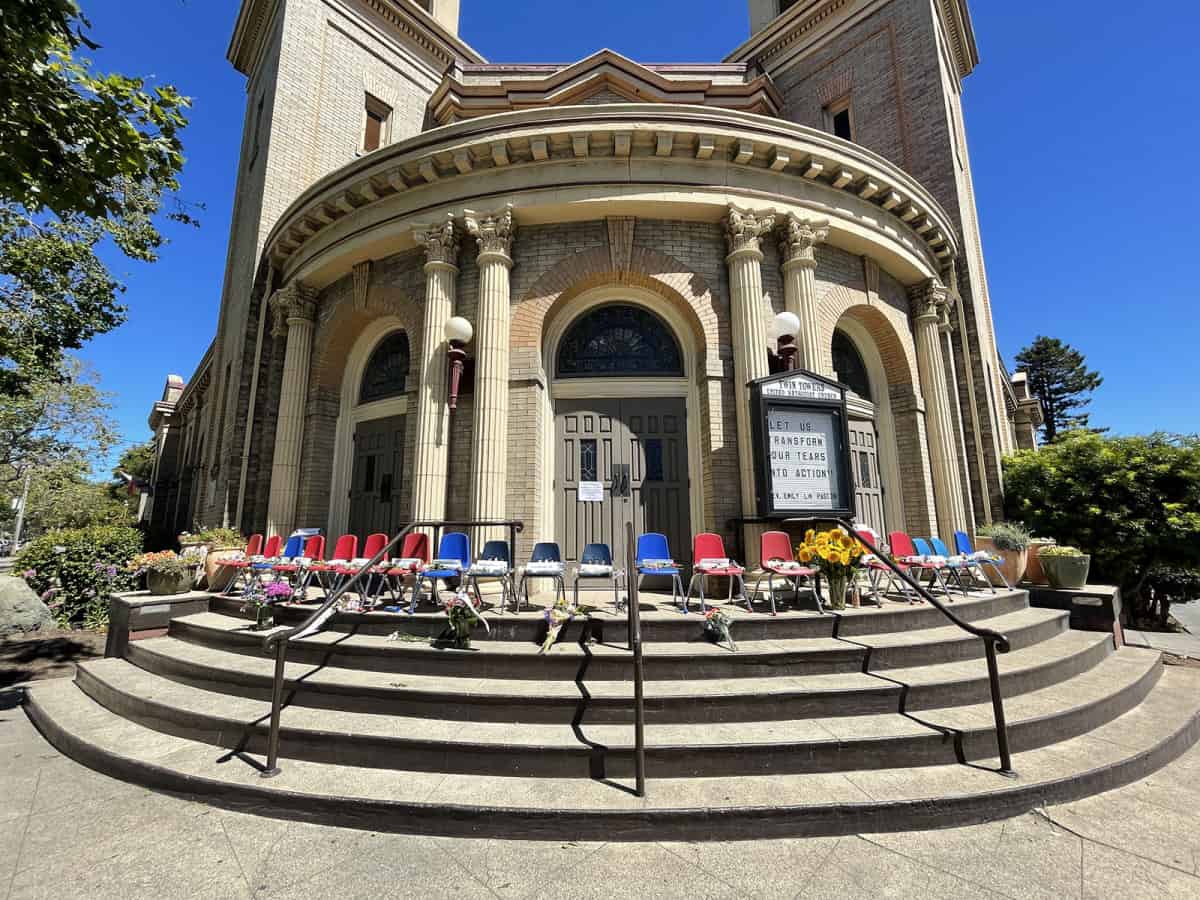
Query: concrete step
583	749
607	661
1114	753
469	698
663	625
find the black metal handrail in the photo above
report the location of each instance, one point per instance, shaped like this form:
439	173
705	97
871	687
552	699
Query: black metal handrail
322	613
635	644
993	641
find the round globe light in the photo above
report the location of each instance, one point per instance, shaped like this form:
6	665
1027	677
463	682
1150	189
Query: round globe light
787	324
459	329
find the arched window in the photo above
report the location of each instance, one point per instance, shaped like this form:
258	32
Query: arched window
387	369
849	366
618	340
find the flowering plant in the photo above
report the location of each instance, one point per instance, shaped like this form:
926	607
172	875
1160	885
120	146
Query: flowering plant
461	614
837	555
164	562
257	599
716	624
557	617
279	592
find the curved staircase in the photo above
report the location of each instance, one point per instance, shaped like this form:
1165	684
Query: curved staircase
868	721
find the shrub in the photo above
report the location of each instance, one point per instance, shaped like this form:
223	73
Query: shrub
75	569
1011	537
164	562
1132	502
1055	552
222	537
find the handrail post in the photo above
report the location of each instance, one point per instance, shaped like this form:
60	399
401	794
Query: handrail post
635	644
272	768
998	709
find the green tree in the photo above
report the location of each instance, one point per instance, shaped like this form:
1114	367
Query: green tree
85	158
1059	378
1131	502
137	463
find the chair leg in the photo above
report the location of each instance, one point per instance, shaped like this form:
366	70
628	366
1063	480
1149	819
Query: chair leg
771	591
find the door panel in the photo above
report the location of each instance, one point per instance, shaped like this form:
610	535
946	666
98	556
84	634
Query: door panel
637	449
375	476
864	462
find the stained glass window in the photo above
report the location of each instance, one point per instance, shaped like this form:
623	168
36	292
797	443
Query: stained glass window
619	340
849	366
387	369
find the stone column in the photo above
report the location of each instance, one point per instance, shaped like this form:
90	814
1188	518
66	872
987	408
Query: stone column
489	440
743	231
930	310
433	411
294	307
796	249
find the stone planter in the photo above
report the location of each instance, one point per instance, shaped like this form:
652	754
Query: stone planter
217	575
1033	565
1012	562
1067	572
162	584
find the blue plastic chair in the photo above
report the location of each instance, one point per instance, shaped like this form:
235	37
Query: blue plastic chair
924	549
543	552
454	545
654	546
495	551
963	543
958	565
598	555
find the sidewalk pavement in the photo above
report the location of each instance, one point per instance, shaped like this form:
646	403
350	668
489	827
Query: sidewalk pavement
66	832
1188	615
1179	643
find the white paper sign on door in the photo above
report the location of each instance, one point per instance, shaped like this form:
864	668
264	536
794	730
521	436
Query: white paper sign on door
591	492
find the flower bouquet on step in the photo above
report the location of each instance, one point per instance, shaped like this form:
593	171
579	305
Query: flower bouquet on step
461	614
255	600
716	626
837	555
557	618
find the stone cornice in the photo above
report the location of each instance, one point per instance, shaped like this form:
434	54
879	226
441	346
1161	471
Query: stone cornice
459	97
698	136
404	16
193	392
804	19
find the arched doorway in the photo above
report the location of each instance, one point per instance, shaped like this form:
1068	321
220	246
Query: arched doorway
851	370
620	435
370	440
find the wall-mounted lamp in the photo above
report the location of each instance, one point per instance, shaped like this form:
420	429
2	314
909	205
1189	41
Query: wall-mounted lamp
787	326
458	333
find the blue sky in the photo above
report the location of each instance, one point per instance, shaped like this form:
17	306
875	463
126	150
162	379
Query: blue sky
1083	135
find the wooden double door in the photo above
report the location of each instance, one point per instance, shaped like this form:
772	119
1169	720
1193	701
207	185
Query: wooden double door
619	461
375	477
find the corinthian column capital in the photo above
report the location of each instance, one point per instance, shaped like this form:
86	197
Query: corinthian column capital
799	240
930	300
440	242
744	227
494	232
294	302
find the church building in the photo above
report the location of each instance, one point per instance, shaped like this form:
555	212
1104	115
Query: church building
620	236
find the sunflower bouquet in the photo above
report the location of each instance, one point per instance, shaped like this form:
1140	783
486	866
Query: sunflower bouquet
837	555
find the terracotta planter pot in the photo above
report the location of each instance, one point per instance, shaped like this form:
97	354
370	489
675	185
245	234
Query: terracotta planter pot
1033	565
1067	572
218	576
1012	562
162	584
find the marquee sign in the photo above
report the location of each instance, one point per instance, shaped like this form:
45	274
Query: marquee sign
801	446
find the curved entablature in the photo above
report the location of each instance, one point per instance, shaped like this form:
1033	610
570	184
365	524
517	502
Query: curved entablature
648	158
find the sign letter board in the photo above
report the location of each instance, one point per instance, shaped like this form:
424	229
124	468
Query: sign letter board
801	443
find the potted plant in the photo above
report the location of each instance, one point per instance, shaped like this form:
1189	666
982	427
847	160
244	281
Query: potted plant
223	544
1066	567
1010	542
166	572
1034	573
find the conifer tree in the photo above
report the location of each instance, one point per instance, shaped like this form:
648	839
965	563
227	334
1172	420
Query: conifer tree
1061	381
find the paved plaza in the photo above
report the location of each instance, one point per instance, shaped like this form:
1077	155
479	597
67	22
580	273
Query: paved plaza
70	832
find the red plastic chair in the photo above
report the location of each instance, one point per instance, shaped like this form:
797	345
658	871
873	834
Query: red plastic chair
775	551
413	556
905	555
710	546
344	550
252	547
373	544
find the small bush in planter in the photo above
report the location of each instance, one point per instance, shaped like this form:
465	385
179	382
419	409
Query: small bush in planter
1011	537
221	537
1065	567
166	571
